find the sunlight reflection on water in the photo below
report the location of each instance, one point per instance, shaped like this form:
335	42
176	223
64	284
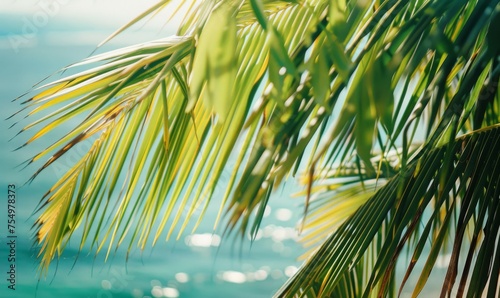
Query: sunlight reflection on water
203	240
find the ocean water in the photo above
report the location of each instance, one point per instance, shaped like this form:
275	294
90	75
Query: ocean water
199	265
202	265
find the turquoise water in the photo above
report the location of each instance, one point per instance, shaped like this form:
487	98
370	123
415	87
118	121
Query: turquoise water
200	266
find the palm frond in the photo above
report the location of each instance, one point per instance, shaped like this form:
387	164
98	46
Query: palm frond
390	219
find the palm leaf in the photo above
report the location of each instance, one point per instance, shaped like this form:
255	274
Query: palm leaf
392	214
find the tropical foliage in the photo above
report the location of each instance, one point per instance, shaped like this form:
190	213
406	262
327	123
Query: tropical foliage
387	110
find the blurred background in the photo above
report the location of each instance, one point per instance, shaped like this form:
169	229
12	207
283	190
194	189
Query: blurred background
37	38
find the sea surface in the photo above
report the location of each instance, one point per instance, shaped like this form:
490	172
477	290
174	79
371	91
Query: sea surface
199	265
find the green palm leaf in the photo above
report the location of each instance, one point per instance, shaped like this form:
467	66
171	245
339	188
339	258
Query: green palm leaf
392	216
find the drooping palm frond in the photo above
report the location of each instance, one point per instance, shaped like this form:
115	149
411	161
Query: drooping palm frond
148	112
321	86
467	185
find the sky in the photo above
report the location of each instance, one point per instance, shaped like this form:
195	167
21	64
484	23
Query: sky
25	23
100	11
